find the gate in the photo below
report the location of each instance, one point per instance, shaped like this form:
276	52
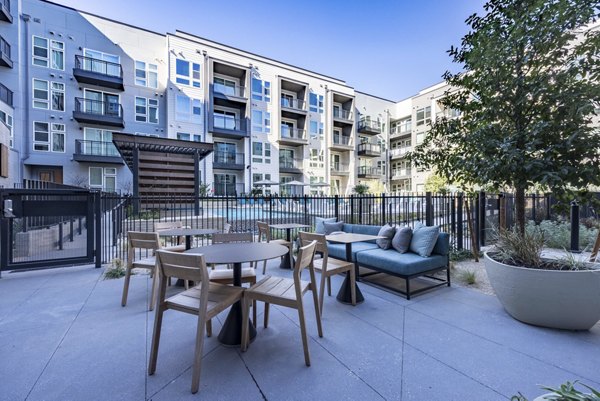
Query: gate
47	228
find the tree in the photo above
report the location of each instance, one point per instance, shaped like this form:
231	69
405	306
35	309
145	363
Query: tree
436	184
361	189
526	97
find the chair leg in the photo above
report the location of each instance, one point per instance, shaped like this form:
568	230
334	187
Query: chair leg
264	267
303	332
266	322
317	311
353	286
198	354
155	340
154	292
329	286
245	313
209	328
126	286
324	278
254	303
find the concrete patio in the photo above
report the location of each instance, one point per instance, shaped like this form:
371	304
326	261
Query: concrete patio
64	336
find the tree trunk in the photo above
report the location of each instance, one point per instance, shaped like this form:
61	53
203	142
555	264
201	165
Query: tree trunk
520	209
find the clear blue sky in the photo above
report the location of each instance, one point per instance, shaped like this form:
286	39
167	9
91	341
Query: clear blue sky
359	41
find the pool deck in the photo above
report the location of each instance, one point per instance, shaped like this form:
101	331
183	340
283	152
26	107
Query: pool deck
65	336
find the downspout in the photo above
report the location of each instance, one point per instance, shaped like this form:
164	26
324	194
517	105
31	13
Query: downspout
29	129
207	95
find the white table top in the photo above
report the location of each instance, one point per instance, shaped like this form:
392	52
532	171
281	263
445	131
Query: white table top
240	252
285	226
348	238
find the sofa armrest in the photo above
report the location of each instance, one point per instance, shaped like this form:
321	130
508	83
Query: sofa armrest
442	245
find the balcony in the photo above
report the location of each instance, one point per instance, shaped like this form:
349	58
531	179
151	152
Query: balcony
399	152
293	136
343	116
338	168
92	71
366	149
98	113
341	142
289	165
293	106
5	14
367	126
223	189
396	132
6	95
226	126
228	160
233	93
5	60
400	174
369	172
96	152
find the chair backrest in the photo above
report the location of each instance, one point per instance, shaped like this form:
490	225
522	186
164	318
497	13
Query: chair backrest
263	230
167	225
222	238
307	238
304	260
185	266
140	240
227	228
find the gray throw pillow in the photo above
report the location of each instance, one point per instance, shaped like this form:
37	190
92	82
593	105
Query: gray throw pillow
388	232
424	239
401	240
332	227
319	228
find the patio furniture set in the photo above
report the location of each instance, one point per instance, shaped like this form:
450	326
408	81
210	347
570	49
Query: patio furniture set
213	290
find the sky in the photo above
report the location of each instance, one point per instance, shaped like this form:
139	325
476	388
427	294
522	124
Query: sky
388	48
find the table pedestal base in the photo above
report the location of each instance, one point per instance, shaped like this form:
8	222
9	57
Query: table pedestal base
231	332
345	294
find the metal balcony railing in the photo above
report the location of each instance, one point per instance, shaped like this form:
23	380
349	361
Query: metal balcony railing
341	140
343	114
223	121
401	173
6	95
98	108
297	104
223	189
369	125
229	90
98	66
224	157
368	170
292	133
400	151
367	147
339	167
95	148
288	162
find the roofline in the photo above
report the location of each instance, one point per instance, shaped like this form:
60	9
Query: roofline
104	18
318	75
375	96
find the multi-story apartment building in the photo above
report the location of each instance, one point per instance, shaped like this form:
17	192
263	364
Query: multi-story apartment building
69	79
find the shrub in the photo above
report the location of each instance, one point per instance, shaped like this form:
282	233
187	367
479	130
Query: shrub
515	249
116	270
558	233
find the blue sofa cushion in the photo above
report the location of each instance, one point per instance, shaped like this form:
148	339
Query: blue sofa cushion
442	245
387	232
319	227
332	227
338	251
399	263
423	239
348	228
401	240
365	229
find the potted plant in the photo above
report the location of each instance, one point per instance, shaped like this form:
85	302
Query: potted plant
566	392
520	115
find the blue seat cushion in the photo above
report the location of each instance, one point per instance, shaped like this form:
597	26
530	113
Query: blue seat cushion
365	229
399	263
338	251
442	245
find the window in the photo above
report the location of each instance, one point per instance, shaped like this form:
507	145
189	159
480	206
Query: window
316	103
261	152
316	130
146	74
103	178
45	140
316	158
58	55
41	94
111	66
226	86
58	96
146	110
8	120
185	75
185	136
187	109
420	137
423	116
261	121
261	90
40	51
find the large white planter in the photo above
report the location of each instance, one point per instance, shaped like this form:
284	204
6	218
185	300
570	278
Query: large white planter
549	298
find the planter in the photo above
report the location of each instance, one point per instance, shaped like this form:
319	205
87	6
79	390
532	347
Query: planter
548	298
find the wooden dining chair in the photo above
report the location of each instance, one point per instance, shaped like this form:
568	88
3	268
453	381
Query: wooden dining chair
328	266
167	225
205	301
140	249
264	233
225	276
286	292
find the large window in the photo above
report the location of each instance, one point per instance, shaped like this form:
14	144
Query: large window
48	53
103	178
58	96
111	67
316	103
40	52
146	74
261	90
146	110
423	116
186	136
48	137
8	120
187	109
57	53
261	152
43	99
261	121
316	130
187	73
317	158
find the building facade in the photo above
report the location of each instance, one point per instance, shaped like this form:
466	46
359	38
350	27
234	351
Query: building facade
69	79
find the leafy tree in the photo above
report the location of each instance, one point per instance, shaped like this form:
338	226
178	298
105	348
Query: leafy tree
527	96
361	189
436	184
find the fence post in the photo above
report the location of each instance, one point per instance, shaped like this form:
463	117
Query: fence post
351	209
575	227
428	209
481	218
71	230
460	220
337	207
361	200
502	211
305	209
270	209
533	202
548	206
98	229
60	235
382	207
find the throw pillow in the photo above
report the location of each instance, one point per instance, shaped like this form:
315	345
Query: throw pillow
319	228
332	227
401	240
424	239
388	232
